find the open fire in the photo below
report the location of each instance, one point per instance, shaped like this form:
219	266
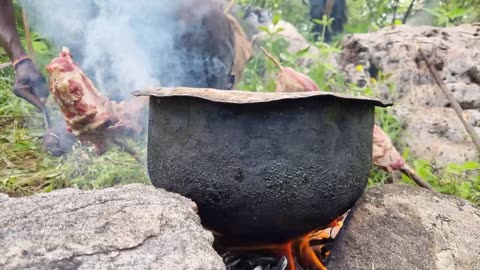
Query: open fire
307	252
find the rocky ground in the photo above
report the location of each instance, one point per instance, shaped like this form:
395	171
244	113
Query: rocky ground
433	130
140	227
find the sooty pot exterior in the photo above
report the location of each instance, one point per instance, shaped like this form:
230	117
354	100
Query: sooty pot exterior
262	171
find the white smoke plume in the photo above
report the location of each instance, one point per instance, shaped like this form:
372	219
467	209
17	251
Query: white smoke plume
121	45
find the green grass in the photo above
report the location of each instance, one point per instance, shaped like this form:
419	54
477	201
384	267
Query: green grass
25	168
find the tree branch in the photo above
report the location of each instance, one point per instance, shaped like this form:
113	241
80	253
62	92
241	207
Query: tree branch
409	11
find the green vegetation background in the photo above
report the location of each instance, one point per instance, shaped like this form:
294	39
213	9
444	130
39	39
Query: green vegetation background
25	168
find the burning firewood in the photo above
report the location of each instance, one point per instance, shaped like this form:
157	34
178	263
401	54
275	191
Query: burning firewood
307	250
89	115
289	80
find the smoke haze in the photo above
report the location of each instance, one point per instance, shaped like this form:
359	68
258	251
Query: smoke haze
121	45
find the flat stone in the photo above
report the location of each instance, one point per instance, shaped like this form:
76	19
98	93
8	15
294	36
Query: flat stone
404	227
130	227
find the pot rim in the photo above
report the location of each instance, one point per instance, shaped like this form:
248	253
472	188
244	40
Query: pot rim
247	97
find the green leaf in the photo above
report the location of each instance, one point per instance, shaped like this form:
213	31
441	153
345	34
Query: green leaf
464	189
280	29
23	146
302	51
264	29
405	153
40	47
276	19
459	12
470	166
454	169
320	22
433	12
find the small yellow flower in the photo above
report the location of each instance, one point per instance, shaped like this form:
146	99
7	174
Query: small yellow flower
359	68
373	80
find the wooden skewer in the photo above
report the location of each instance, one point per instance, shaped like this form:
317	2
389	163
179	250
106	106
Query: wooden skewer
229	6
455	105
271	57
415	178
128	149
28	36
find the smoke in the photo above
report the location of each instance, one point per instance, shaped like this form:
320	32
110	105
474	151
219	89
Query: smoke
121	45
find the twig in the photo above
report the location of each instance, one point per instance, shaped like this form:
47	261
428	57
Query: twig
371	12
415	178
5	65
271	57
46	118
455	105
19	116
409	11
229	6
128	149
28	36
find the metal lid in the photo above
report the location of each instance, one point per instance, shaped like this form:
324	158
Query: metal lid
245	97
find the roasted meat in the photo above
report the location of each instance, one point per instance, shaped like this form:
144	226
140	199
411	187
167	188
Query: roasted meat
89	115
290	80
385	155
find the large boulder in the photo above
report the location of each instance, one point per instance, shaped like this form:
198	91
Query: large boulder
129	227
404	227
419	103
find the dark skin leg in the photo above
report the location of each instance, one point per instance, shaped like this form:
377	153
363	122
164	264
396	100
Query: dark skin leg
8	32
29	82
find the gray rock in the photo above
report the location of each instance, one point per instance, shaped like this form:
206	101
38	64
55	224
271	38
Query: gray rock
393	51
404	227
130	227
3	197
437	134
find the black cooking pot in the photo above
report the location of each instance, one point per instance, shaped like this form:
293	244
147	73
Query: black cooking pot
262	167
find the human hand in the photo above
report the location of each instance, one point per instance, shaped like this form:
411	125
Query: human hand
30	84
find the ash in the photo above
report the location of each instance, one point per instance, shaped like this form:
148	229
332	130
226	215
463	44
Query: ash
255	261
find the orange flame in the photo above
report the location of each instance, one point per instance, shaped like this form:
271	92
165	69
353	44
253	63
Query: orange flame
300	249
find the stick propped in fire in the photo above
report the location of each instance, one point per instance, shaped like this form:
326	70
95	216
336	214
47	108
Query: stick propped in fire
89	115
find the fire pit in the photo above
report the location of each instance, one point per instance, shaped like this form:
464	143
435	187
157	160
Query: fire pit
262	167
